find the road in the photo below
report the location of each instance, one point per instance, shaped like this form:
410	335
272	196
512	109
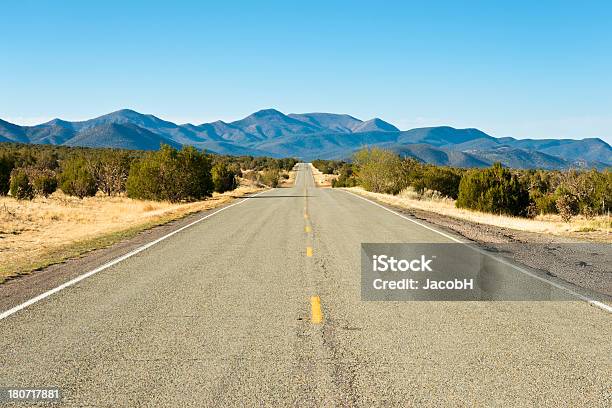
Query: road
225	313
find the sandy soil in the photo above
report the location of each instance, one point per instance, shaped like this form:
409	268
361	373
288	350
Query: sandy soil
290	181
322	180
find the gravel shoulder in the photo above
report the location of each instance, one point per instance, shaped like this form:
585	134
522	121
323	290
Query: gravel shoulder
585	264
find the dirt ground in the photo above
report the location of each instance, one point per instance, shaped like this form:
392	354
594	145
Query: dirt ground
322	180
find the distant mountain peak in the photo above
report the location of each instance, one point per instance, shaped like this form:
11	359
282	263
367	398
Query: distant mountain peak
267	112
375	125
57	122
126	111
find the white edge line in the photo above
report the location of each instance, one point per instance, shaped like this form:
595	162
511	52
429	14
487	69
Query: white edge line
115	261
587	299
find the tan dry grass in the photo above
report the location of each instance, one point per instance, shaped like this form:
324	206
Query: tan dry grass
37	233
290	181
598	227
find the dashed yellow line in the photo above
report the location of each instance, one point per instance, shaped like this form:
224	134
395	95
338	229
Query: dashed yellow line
309	251
316	314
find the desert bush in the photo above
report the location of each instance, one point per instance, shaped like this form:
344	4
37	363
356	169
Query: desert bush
442	179
345	178
110	170
223	177
47	159
172	175
587	192
379	170
543	204
328	166
76	178
7	162
21	188
567	206
252	176
494	190
270	177
43	181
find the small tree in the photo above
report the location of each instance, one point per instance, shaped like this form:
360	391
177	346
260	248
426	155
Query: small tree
111	171
567	206
171	175
43	181
495	190
7	162
379	170
21	188
441	179
223	178
76	178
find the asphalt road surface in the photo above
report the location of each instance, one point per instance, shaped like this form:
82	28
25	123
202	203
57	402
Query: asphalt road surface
259	305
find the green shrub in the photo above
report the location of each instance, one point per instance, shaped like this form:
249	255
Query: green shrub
379	170
21	188
7	162
270	177
545	204
327	166
567	206
171	175
223	177
345	177
494	190
43	181
442	179
76	178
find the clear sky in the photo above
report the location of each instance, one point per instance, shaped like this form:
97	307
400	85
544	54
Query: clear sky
523	69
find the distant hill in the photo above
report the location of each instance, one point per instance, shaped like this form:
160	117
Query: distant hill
440	157
314	135
126	135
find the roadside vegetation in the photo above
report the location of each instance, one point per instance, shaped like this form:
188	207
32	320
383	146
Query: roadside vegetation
528	194
58	202
168	174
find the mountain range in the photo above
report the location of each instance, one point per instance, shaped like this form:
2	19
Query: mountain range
310	136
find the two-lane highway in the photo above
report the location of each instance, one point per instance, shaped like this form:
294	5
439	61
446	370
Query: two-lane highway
259	305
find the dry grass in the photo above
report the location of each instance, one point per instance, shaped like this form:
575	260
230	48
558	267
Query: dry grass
322	180
43	231
597	228
290	181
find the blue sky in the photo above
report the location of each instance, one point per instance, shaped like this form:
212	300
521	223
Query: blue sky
522	69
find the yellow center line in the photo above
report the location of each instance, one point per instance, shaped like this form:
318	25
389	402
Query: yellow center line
309	251
316	315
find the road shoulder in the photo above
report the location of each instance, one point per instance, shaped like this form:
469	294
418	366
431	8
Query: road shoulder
582	264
